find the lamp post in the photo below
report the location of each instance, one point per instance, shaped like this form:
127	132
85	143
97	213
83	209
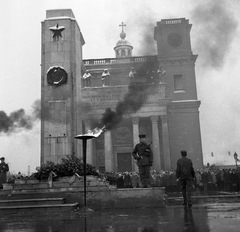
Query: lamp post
84	139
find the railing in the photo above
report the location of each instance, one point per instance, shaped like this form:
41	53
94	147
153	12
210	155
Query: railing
176	21
119	60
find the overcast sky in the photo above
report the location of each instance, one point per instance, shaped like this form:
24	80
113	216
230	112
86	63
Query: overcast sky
215	39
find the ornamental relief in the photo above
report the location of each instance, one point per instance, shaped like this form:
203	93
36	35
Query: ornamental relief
123	136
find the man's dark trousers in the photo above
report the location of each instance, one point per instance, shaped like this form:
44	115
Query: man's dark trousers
144	172
186	185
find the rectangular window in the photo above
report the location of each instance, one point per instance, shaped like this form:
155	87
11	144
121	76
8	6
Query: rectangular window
178	82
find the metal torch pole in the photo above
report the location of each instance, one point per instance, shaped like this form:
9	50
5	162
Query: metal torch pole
84	170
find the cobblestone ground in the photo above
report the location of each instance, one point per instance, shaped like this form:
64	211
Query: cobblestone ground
215	217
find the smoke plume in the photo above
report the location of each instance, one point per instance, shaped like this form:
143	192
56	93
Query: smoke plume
143	23
215	28
19	120
132	101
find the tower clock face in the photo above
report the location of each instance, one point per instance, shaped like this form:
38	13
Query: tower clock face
174	40
56	76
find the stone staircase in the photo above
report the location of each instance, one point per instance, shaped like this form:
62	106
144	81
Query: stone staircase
47	196
44	196
36	205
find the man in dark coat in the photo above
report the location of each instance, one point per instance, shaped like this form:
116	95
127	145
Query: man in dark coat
144	156
185	174
3	172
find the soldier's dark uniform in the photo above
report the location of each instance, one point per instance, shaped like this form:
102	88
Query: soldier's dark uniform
4	168
144	156
185	173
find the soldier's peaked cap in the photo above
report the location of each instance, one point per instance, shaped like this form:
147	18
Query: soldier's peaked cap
142	136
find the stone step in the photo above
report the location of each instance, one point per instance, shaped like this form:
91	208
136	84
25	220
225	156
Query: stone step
40	208
27	202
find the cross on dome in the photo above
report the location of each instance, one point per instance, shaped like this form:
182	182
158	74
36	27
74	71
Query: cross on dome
122	25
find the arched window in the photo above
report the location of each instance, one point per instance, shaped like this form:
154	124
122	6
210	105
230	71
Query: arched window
123	53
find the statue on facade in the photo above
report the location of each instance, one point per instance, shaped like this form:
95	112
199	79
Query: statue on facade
86	79
105	77
132	75
161	73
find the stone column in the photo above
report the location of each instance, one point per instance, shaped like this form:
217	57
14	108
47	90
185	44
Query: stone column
135	122
166	145
89	157
109	159
156	143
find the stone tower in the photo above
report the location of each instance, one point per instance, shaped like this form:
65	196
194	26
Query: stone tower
61	53
175	55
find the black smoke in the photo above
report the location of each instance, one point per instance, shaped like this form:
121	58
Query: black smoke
132	102
19	120
215	28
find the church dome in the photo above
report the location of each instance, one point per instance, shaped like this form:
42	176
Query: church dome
123	48
123	42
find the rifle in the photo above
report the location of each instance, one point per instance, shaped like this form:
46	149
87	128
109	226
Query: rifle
146	149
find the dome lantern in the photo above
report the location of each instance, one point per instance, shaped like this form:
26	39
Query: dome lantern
123	48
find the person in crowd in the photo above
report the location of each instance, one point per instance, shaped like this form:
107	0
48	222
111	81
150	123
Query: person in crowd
127	180
87	79
209	183
105	78
185	174
205	180
222	180
4	168
159	182
219	182
234	181
135	180
120	181
227	181
214	181
198	180
142	152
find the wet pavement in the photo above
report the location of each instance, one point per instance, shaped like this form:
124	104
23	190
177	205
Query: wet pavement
214	217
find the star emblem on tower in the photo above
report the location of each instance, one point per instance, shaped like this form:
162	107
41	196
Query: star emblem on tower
57	30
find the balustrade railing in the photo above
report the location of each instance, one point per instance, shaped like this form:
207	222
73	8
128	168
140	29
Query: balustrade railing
119	60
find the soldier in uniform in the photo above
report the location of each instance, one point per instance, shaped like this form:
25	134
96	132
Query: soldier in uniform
185	174
3	172
144	156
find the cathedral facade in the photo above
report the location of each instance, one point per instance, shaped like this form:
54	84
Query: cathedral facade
127	95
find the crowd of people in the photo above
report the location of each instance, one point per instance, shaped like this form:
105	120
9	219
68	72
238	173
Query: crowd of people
206	179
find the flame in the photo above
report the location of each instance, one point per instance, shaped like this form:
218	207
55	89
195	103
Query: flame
96	132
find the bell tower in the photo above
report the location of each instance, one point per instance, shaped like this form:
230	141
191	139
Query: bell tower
61	54
176	57
173	37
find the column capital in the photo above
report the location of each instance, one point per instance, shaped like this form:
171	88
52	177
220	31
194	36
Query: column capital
154	119
164	119
135	120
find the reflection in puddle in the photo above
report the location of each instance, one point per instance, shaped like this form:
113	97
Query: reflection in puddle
136	220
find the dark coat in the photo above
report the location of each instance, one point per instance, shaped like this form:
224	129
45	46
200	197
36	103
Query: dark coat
143	154
3	173
185	169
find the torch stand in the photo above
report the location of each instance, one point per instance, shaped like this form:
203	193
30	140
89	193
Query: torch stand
84	138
